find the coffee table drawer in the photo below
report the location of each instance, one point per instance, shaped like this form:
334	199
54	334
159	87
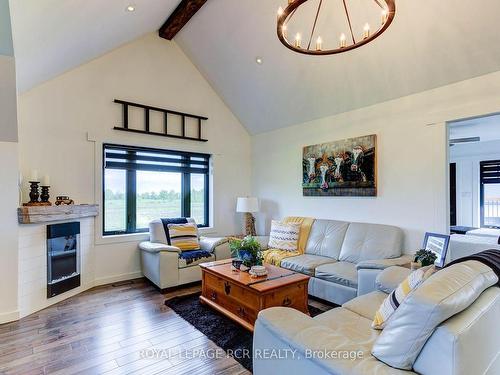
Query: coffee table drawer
231	304
294	296
231	290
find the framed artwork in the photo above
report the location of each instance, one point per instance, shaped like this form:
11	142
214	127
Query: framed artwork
341	168
438	244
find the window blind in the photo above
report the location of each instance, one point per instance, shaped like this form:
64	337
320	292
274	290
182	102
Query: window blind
146	159
490	172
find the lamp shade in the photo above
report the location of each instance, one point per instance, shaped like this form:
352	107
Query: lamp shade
247	204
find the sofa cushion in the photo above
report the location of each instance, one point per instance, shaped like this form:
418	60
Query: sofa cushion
390	278
371	241
284	236
343	273
305	263
441	296
366	305
326	238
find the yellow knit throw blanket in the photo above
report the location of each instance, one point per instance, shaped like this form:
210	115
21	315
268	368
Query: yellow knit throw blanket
275	256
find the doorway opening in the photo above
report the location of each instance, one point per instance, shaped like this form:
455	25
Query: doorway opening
474	170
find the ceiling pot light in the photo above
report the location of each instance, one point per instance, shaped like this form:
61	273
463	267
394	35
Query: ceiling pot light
259	60
130	8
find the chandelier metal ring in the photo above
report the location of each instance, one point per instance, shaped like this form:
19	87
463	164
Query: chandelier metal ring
388	11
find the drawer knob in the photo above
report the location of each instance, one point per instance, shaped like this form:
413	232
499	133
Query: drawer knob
241	311
287	301
213	296
227	288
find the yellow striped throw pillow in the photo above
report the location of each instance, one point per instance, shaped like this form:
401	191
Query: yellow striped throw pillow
284	236
398	295
184	236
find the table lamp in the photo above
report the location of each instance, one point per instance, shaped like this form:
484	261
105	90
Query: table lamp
248	205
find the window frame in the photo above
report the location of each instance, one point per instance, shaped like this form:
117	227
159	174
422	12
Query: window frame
482	183
131	188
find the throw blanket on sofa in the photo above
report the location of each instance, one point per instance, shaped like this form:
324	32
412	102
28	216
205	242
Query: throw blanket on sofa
491	258
194	255
173	220
275	256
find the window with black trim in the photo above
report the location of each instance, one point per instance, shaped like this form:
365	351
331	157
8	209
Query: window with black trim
143	184
490	193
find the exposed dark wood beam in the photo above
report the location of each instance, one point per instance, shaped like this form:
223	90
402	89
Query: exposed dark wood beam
180	17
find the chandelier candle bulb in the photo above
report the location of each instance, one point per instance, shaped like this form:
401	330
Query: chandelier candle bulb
298	40
366	31
384	16
319	44
342	40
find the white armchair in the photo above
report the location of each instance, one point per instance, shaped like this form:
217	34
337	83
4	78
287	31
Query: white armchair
162	264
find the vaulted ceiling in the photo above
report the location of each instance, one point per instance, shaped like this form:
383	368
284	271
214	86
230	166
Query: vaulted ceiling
430	44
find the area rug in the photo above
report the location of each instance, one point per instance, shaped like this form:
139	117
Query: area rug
225	333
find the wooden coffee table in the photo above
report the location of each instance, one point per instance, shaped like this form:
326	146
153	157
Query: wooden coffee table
240	297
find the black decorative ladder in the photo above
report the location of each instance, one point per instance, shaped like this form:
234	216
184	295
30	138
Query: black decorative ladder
166	112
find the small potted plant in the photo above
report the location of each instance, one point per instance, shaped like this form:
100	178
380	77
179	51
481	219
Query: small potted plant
424	258
247	251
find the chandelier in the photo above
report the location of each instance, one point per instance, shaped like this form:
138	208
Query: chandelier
382	12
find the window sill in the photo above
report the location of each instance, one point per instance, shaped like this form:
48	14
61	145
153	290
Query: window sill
139	237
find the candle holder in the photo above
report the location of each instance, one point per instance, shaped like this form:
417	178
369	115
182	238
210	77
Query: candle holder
34	195
44	197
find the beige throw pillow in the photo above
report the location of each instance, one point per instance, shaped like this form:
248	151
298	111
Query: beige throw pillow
284	236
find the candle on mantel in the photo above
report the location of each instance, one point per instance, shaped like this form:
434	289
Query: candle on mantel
366	31
46	181
319	44
342	40
298	40
34	175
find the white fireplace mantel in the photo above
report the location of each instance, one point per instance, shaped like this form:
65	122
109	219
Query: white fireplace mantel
44	214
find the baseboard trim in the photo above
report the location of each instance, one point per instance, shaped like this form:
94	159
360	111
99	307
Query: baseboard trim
116	278
9	317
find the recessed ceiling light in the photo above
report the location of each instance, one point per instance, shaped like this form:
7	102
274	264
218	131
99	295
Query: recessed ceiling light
259	60
130	8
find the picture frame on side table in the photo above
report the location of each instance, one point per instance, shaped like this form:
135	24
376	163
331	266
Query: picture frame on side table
438	244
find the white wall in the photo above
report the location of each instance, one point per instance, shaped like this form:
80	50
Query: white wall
64	122
467	157
412	159
8	186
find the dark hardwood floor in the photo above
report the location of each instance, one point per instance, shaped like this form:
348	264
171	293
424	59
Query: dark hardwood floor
113	329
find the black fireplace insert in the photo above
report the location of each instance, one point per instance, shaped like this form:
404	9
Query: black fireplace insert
63	258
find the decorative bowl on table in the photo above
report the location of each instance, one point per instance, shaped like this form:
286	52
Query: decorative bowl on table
258	271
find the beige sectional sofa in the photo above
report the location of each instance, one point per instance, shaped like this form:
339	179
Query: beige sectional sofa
341	341
343	258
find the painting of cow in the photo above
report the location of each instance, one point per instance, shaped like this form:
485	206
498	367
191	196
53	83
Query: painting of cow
346	167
